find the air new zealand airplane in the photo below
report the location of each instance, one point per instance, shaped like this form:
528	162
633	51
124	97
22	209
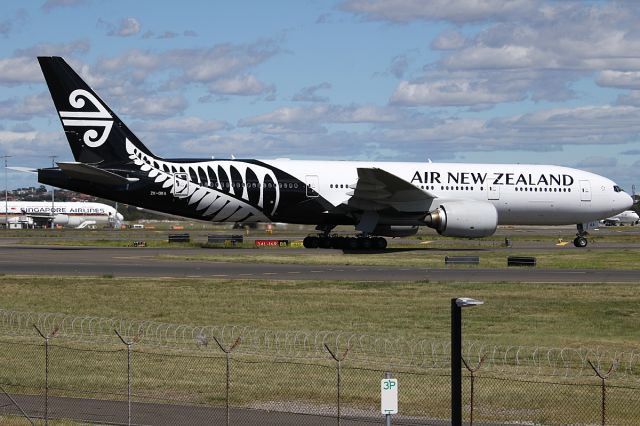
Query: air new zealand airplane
378	198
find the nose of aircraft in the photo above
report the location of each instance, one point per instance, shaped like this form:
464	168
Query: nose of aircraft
626	202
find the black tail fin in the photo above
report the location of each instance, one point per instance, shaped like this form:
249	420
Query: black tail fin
94	132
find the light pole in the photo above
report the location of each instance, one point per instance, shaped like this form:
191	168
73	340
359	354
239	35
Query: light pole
53	215
456	355
6	193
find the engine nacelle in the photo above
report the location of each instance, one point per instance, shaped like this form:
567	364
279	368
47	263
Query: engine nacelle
467	219
66	220
395	231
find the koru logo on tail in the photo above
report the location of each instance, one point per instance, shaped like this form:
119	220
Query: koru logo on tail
94	119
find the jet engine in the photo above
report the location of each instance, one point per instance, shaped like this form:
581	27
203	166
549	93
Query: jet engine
467	219
66	220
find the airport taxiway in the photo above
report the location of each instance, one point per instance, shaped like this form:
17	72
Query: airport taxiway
153	262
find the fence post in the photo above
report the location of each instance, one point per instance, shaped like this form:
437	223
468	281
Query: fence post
227	352
603	378
338	360
471	372
46	368
129	346
13	401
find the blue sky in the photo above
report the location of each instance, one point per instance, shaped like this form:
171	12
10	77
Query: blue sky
525	81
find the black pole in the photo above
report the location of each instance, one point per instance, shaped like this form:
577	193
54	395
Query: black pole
456	364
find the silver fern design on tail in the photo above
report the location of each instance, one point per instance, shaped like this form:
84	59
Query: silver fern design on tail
201	185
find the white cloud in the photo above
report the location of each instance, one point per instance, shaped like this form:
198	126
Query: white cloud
206	65
53	4
399	65
154	106
185	125
198	65
28	142
459	11
597	161
23	68
80	46
450	93
309	93
299	116
27	107
168	35
243	85
448	40
127	27
631	98
237	144
20	70
537	53
484	57
619	79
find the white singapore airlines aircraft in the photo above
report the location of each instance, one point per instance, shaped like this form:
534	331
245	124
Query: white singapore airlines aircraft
72	214
627	217
379	199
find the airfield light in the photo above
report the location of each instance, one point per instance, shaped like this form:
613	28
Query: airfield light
456	355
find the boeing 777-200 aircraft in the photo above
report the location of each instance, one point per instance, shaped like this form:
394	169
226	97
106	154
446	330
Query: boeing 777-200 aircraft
378	198
62	213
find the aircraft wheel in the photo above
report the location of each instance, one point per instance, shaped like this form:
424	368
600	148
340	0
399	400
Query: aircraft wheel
351	243
580	242
324	242
380	243
310	242
364	243
337	242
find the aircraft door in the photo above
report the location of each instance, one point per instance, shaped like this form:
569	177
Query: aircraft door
180	185
585	190
493	192
312	185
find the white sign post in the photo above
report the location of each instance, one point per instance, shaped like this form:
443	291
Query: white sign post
389	397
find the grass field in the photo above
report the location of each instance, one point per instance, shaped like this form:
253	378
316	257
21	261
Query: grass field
554	258
525	314
602	316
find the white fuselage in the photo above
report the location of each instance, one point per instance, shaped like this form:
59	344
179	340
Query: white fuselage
627	217
522	194
73	214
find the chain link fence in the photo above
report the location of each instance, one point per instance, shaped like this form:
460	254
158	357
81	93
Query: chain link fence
114	371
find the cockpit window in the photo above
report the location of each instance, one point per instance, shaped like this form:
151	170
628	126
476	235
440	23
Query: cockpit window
616	188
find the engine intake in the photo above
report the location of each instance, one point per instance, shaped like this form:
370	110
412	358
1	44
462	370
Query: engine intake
467	219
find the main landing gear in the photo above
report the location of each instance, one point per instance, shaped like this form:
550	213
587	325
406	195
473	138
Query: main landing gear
581	237
345	243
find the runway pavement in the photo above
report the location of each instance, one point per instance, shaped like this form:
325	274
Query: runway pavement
132	262
115	412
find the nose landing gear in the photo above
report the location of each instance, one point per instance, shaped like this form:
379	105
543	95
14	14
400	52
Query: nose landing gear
580	241
581	237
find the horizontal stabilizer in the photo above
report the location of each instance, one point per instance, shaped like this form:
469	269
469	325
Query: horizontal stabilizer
23	169
87	172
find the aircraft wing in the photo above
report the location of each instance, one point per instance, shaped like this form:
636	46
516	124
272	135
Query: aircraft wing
378	190
83	171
